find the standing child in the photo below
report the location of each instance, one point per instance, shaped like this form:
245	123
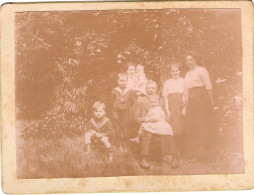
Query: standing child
122	100
173	93
99	128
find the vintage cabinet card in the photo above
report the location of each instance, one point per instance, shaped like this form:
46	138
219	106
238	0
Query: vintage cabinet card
127	96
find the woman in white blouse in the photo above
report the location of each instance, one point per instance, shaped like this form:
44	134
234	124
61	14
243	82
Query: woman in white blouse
198	88
173	93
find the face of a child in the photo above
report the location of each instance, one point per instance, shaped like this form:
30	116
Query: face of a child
140	69
175	72
151	89
131	70
99	113
190	61
122	81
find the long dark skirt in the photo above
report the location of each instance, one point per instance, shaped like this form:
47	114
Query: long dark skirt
197	130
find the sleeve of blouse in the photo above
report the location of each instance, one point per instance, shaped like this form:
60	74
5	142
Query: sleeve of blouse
164	90
185	83
206	79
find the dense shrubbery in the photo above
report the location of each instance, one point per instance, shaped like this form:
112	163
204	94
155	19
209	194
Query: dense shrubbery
54	126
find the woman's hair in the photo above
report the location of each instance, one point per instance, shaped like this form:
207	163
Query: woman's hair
130	64
193	54
176	64
127	65
140	65
122	74
151	82
98	105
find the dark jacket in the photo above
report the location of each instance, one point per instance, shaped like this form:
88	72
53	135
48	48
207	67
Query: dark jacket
103	126
122	100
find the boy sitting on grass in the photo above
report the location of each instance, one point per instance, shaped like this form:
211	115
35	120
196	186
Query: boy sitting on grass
99	128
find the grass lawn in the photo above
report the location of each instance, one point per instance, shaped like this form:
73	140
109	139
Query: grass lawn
65	158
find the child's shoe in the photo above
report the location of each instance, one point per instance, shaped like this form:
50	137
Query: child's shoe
167	158
136	139
124	150
110	157
121	149
193	160
144	164
175	162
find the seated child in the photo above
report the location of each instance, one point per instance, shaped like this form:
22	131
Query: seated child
154	122
99	128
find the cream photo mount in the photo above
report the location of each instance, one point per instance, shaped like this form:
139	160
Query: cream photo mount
10	183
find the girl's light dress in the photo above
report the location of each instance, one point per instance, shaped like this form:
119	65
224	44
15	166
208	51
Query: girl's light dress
160	127
173	90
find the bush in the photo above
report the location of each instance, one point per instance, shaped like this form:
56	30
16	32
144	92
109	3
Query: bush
54	126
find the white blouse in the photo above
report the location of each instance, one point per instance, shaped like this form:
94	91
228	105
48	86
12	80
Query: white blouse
172	86
198	77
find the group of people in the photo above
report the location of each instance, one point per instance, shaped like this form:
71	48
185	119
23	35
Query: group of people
179	118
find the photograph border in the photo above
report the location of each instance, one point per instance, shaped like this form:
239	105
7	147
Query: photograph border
10	183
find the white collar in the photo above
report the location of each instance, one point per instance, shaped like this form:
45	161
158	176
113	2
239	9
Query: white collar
179	78
122	92
99	124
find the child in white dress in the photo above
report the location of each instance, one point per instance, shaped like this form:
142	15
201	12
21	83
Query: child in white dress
154	122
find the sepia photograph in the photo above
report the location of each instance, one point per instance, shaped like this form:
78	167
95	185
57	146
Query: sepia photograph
128	92
104	92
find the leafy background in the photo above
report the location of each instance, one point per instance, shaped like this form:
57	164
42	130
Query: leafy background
67	60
